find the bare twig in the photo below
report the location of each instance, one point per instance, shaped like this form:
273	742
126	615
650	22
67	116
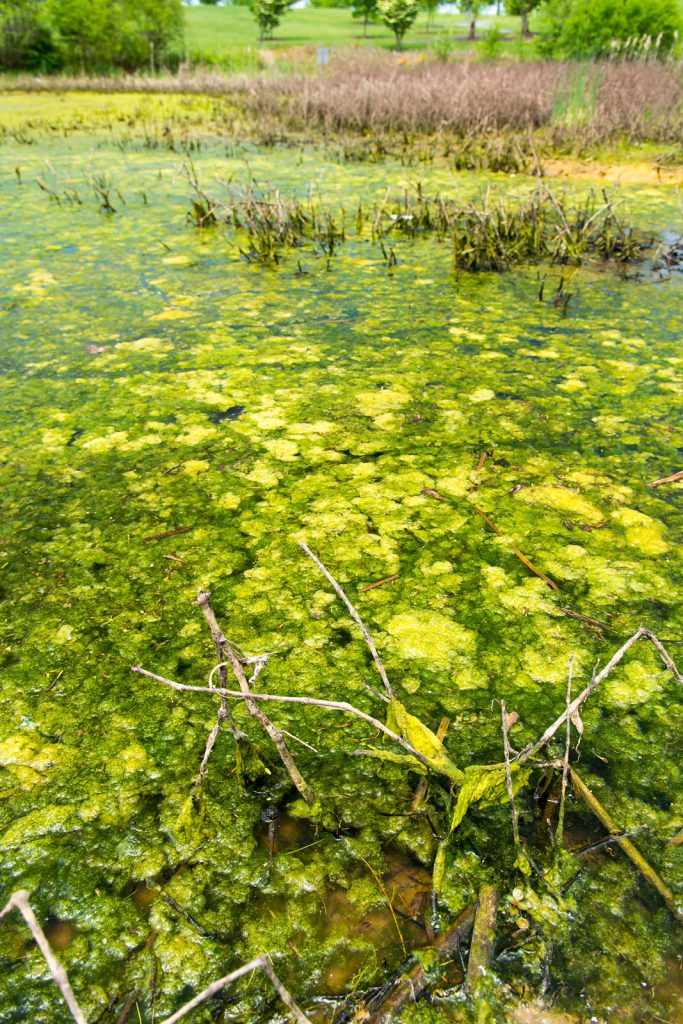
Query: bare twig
379	583
626	845
532	748
333	705
483	937
19	900
508	774
565	766
587	619
520	554
355	616
226	653
667	479
259	963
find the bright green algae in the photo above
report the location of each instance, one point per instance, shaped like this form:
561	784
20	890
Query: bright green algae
153	382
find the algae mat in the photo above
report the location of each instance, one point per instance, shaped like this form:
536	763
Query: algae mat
175	418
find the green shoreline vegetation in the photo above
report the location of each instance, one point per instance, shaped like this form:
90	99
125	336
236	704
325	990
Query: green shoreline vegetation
334	346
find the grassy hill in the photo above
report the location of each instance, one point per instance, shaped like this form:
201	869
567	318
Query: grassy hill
229	34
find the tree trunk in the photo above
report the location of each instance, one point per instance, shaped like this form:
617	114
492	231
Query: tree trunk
525	23
473	28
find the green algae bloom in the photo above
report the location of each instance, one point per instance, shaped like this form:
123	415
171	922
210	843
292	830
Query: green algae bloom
174	418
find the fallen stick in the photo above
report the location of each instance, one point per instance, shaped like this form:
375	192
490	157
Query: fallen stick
565	765
381	1007
355	616
379	583
626	845
586	618
483	938
226	653
19	900
522	557
508	773
333	705
261	963
667	479
572	708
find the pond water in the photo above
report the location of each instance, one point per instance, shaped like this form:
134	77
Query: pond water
175	418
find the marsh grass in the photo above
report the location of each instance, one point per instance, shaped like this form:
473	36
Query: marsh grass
492	114
494	233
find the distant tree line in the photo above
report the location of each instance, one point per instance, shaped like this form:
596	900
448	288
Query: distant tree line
569	28
90	35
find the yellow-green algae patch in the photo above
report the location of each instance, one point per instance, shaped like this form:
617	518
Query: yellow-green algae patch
146	456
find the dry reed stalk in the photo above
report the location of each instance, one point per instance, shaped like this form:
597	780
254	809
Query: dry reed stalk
356	618
332	705
626	845
19	900
227	653
573	708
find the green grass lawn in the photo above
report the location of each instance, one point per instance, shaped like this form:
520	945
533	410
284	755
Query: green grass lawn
230	32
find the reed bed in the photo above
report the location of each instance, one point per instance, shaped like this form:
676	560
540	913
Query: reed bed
494	233
378	97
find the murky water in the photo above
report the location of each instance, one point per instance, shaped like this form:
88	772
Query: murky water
174	418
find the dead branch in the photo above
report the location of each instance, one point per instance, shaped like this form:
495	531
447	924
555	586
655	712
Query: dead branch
333	705
573	708
565	767
19	900
667	479
483	938
226	653
355	616
519	554
626	845
508	774
224	715
259	963
381	1007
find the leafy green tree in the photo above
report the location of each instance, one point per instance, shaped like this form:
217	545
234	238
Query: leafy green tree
365	9
591	28
26	39
398	15
471	7
156	26
522	8
89	31
268	14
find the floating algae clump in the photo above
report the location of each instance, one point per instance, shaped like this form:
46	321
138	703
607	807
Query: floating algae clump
430	636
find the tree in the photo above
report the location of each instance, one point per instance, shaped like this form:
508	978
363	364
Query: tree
26	39
268	14
365	9
592	28
398	15
471	7
430	7
522	8
155	26
89	31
